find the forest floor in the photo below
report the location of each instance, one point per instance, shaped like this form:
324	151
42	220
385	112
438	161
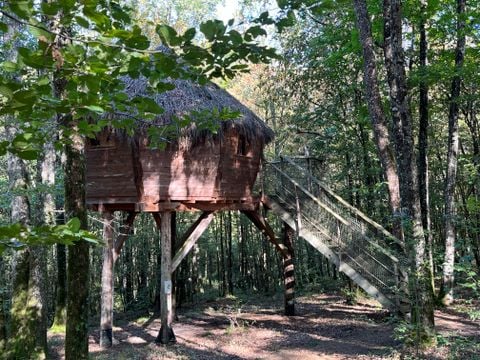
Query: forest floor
324	328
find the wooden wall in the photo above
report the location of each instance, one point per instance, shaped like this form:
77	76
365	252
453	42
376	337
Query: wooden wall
119	172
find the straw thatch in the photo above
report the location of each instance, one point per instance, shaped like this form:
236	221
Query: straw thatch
188	97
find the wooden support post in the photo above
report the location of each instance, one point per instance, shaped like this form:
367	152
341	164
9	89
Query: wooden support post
262	225
106	317
289	270
166	335
111	252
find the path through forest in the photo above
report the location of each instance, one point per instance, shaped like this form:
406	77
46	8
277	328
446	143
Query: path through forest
325	328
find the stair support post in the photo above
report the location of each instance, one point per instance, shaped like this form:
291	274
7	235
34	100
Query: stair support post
289	270
397	285
299	214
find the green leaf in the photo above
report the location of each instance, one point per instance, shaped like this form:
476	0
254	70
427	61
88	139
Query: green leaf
9	66
164	86
74	224
28	154
254	32
139	42
22	9
50	8
37	30
265	19
101	20
189	35
3	27
286	21
95	109
212	29
6	91
82	22
235	37
165	63
167	33
3	147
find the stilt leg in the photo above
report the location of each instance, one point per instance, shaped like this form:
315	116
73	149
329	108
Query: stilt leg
166	334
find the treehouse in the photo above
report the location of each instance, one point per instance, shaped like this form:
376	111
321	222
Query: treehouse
215	171
200	170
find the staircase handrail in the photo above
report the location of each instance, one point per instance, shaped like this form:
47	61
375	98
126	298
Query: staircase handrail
340	218
345	203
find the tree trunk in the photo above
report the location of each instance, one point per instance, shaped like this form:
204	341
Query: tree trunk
222	257
60	318
229	254
28	336
61	291
377	115
3	315
420	276
446	291
106	316
76	341
423	171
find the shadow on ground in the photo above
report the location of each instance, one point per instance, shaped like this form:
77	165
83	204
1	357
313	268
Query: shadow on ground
324	328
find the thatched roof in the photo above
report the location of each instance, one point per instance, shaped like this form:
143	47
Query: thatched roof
188	97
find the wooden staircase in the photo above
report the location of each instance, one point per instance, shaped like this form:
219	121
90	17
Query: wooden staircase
360	248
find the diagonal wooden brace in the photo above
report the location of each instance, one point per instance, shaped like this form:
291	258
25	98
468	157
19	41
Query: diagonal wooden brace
191	236
260	222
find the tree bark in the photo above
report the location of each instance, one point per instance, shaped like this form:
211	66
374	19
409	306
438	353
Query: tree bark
106	314
420	276
61	291
76	341
446	291
3	315
423	171
229	253
377	115
28	335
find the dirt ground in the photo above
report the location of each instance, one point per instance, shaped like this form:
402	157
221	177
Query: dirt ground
324	328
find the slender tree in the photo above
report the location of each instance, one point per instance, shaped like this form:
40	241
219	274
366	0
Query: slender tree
421	282
423	110
377	114
446	291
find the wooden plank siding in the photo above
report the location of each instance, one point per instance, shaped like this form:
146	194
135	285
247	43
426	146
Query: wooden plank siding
126	175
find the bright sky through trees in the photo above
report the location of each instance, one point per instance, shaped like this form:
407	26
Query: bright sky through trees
226	10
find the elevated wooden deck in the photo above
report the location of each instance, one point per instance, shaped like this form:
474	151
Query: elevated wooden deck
246	204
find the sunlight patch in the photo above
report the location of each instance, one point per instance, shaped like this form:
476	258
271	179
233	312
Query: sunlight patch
135	340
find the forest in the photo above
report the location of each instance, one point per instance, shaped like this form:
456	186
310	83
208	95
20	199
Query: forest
239	179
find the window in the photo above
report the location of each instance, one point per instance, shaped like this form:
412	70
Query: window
101	141
242	146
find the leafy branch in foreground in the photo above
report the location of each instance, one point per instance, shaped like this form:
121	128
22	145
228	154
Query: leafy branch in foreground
17	237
